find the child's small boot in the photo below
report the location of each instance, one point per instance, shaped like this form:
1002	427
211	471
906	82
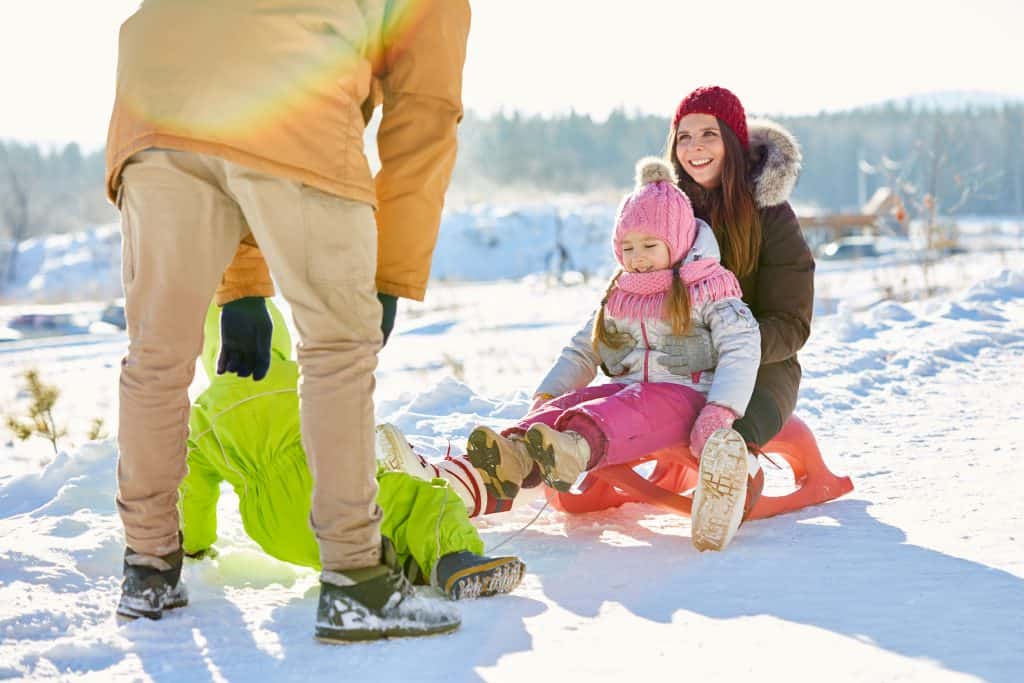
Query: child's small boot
395	454
151	585
465	575
502	462
562	456
729	483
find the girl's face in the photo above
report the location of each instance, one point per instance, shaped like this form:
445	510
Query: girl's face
700	149
642	253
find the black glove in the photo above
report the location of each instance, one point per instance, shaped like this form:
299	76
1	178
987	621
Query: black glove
245	332
387	321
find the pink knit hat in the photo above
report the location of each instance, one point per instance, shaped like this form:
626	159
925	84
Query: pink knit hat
656	207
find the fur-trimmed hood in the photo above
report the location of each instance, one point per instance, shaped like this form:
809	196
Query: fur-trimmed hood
775	161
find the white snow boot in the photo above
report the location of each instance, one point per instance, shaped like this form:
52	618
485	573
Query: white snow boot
396	455
729	483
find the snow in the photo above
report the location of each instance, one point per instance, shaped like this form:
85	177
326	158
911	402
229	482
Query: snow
76	266
917	575
476	243
479	242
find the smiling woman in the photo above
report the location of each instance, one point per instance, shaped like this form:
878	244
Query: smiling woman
739	178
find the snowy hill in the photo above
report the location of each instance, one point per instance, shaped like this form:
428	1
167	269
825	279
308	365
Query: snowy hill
484	242
918	575
479	243
79	266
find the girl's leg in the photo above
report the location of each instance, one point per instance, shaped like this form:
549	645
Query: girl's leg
549	412
634	422
489	481
502	460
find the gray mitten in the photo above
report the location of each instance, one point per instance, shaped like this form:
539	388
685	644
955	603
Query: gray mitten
611	358
685	355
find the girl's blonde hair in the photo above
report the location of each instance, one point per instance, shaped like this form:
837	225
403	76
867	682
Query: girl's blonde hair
677	312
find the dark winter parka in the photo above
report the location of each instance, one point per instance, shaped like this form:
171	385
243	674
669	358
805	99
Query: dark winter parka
780	291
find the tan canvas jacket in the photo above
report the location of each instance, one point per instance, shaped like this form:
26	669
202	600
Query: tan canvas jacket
285	87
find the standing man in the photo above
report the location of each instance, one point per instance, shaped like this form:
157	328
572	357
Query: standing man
239	124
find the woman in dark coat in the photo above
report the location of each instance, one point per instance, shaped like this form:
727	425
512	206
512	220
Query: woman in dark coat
739	175
738	178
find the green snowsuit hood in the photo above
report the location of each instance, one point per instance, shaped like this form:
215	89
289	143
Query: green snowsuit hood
247	433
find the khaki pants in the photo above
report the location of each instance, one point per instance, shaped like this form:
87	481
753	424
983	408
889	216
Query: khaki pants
183	215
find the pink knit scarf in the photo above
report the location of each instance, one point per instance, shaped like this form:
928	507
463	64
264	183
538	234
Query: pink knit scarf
642	295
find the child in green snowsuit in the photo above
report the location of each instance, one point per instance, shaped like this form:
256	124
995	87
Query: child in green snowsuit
247	433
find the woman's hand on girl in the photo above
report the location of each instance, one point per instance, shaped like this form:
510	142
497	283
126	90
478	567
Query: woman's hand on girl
688	354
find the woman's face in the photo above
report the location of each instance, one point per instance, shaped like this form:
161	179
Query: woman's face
700	149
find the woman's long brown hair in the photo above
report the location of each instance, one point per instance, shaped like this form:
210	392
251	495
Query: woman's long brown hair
730	207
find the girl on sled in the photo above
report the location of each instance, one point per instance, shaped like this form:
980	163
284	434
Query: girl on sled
669	284
739	175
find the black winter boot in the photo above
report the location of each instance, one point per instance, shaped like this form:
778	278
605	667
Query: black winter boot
378	602
465	575
151	585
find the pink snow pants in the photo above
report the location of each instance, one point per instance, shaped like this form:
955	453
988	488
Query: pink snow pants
621	422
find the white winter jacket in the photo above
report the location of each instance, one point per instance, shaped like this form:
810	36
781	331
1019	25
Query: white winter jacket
734	333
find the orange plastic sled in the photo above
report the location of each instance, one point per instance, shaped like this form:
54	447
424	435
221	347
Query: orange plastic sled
676	472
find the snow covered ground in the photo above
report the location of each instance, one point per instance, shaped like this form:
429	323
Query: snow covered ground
917	575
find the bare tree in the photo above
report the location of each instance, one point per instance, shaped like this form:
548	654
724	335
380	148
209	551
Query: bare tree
18	207
931	186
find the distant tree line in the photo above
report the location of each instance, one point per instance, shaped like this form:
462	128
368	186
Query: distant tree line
974	152
47	191
971	160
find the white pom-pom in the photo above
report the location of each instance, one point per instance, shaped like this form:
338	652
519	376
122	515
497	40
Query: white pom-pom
652	169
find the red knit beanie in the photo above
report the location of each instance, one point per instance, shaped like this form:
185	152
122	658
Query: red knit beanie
721	104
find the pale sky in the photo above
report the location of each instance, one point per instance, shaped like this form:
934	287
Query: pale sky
58	57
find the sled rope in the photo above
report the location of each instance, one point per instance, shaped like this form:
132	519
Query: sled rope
547	500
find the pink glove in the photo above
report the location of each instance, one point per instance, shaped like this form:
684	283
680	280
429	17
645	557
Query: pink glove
712	418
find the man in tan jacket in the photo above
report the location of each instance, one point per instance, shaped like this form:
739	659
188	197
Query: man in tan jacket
239	124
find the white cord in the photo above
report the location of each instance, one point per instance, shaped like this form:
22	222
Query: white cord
547	500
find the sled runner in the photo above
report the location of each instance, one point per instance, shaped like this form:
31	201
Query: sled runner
675	472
